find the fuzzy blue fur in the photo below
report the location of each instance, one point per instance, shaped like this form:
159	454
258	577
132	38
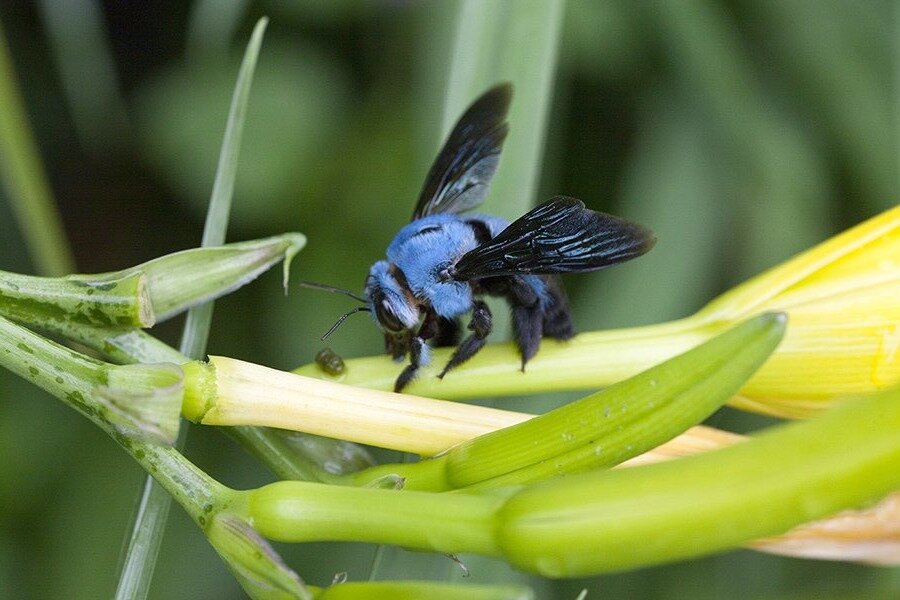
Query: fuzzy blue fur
422	250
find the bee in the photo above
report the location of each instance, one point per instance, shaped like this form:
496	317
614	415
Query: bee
440	265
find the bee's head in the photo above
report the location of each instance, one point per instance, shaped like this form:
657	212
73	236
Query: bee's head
390	301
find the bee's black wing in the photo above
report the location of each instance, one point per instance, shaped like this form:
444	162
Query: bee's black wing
461	173
559	236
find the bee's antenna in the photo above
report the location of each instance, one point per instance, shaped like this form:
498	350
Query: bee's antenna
344	318
330	288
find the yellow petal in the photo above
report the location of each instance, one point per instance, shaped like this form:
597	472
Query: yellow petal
863	255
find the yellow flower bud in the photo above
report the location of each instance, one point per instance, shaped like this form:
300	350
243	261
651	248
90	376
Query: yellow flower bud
843	337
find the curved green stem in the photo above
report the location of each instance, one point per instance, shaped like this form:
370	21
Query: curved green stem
119	301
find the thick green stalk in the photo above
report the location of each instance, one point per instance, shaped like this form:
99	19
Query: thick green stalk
141	295
294	511
109	302
412	590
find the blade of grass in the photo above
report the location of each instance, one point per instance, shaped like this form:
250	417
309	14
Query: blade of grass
76	34
212	25
516	42
150	520
22	176
498	41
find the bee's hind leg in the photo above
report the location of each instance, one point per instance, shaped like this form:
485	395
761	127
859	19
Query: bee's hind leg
557	316
480	326
527	317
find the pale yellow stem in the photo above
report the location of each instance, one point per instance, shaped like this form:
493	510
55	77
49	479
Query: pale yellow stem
289	401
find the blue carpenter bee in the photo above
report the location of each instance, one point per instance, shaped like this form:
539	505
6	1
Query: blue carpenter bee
439	264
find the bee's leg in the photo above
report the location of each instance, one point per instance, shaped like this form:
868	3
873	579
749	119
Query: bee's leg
480	326
557	315
418	356
527	317
397	345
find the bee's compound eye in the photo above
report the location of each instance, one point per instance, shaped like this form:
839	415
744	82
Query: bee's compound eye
387	318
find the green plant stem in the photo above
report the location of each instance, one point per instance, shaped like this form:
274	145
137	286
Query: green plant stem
292	511
422	589
489	48
52	367
141	295
22	176
120	301
115	398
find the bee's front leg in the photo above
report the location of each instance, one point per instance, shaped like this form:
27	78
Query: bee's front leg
480	325
418	356
397	344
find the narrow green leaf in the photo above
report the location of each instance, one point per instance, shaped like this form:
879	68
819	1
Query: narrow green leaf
196	328
508	40
22	176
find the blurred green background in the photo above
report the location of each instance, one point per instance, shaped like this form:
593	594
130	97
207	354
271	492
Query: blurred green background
741	131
